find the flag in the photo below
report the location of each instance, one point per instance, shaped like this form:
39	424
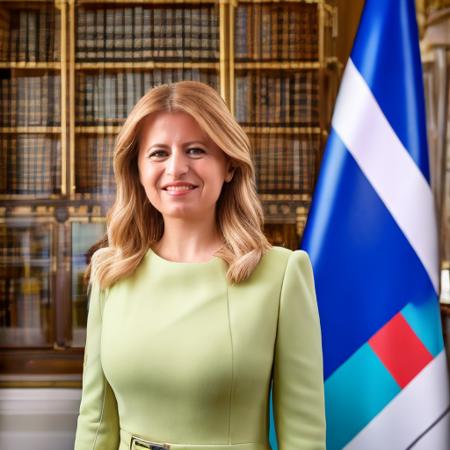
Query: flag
371	235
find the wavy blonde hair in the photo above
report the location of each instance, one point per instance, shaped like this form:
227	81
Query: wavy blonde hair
134	224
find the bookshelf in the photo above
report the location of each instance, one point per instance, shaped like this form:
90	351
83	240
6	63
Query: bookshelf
70	71
283	79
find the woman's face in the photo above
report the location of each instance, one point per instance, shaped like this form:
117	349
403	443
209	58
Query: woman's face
181	169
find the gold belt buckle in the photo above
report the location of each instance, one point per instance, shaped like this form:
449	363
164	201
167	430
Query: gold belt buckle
139	442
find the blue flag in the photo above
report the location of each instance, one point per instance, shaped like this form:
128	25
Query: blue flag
371	235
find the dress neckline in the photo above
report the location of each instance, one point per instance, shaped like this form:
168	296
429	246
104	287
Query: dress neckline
162	260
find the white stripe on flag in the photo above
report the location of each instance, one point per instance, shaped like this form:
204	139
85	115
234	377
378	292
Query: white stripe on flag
437	437
365	131
410	413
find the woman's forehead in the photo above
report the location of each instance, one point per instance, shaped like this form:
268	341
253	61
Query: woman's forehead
173	126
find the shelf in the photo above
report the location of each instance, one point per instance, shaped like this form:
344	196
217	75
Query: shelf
30	129
282	130
314	2
147	65
149	2
285	197
30	65
98	129
12	261
114	129
20	3
58	201
29	198
286	65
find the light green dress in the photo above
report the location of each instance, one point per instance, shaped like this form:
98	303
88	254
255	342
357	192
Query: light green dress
175	355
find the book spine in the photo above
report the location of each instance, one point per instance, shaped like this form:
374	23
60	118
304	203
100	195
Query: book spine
128	34
147	34
119	34
137	44
187	29
266	32
80	53
23	25
121	105
215	33
196	32
178	34
109	35
91	53
56	81
99	34
32	37
158	25
285	35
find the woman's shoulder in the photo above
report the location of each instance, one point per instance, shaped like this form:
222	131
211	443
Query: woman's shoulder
277	253
278	259
273	263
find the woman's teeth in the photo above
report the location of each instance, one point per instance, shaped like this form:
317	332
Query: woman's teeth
179	188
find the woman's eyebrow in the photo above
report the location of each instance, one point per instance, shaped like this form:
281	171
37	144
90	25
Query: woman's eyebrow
184	145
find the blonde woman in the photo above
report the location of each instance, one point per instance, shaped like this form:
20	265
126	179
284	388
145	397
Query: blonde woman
192	312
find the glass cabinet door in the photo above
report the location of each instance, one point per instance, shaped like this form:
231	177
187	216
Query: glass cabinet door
26	284
83	236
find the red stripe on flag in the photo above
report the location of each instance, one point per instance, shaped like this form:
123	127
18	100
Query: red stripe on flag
400	350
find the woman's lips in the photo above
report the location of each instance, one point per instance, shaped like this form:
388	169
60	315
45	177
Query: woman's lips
179	192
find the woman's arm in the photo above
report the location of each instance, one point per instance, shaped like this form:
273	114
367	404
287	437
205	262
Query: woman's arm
298	388
98	421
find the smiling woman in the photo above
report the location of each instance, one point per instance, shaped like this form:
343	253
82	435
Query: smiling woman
182	171
182	132
193	314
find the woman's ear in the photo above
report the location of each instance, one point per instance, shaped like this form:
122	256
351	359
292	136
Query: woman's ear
230	173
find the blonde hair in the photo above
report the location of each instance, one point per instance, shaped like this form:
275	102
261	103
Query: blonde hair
134	224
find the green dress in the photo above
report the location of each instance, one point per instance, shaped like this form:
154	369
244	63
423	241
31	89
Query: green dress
177	356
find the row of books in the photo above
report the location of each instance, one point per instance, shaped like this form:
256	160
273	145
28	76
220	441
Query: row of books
25	301
30	34
94	165
30	100
23	245
277	32
30	164
284	165
107	97
138	33
277	98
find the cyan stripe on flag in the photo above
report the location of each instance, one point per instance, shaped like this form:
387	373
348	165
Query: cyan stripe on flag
424	318
355	394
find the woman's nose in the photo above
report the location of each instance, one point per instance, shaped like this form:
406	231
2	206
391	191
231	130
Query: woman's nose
177	164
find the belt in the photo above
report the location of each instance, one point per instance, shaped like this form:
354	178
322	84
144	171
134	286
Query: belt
135	442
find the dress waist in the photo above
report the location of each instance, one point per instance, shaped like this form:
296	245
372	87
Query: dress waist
130	441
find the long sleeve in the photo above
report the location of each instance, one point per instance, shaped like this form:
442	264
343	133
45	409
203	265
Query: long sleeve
98	420
298	388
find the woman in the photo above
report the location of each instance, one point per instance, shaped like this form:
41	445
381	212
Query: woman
192	312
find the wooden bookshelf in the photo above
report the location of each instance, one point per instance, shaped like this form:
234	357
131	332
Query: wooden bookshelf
281	53
59	195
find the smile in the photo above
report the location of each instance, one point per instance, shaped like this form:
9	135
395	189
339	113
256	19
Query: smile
177	191
179	188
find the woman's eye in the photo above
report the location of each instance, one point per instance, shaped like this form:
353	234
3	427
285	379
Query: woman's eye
157	154
196	150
